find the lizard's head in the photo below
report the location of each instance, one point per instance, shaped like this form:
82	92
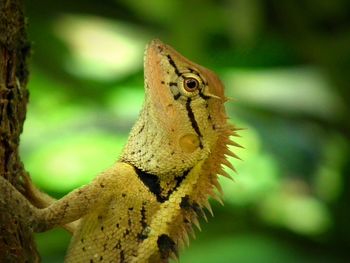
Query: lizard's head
185	99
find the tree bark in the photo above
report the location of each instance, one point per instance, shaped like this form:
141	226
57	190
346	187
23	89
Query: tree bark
16	238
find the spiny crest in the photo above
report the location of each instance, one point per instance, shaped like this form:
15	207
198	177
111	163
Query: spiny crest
209	180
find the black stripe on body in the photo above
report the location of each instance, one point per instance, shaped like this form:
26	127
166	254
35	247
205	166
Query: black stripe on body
151	181
165	246
142	236
178	180
188	205
143	217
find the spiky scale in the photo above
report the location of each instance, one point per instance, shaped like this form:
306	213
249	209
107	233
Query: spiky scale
232	154
224	173
217	185
228	164
196	223
233	143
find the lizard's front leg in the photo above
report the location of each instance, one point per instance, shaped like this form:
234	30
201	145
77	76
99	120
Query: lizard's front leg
68	209
42	200
38	198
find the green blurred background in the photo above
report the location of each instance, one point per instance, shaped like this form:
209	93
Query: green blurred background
285	62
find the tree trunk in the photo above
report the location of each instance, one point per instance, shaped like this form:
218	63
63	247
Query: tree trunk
16	239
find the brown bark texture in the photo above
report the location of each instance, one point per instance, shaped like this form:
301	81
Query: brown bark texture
16	238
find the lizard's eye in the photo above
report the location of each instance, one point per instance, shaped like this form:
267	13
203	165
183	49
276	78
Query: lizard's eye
191	84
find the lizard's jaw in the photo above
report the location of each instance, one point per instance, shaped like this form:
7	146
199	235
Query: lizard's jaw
162	150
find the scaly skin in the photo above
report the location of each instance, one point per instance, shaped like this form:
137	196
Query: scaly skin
143	207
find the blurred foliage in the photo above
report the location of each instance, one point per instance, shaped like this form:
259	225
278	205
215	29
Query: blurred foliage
286	63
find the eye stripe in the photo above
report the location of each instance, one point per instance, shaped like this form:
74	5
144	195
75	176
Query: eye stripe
193	121
177	96
203	96
198	74
172	63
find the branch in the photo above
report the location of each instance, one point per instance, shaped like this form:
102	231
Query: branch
16	239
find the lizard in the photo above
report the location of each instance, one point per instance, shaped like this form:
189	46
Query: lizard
143	207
